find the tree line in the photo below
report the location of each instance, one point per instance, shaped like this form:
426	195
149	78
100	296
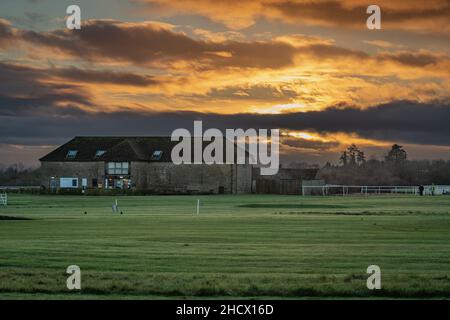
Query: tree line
353	168
19	175
394	169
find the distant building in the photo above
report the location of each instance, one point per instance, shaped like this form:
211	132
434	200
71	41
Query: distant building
286	181
142	163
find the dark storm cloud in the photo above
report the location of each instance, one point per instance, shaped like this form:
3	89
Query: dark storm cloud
160	46
330	51
327	12
402	121
90	76
42	104
150	42
300	143
340	13
413	59
23	93
25	77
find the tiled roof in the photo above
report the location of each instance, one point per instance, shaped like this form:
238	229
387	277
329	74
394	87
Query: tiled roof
117	149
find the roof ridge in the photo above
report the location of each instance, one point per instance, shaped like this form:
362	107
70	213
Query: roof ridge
132	148
120	137
135	148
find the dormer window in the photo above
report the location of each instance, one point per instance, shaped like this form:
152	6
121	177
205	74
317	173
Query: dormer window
157	154
99	153
71	154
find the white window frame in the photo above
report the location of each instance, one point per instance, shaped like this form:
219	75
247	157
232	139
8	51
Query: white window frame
118	168
67	182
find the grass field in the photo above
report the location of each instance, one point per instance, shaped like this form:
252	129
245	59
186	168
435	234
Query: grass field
238	247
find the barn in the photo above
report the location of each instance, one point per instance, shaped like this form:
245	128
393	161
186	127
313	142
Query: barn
142	163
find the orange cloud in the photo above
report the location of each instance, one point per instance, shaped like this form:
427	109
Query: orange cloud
151	66
417	16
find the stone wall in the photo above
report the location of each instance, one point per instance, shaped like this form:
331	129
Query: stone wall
162	177
244	178
89	170
170	178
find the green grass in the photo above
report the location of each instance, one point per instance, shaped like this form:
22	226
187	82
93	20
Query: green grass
238	247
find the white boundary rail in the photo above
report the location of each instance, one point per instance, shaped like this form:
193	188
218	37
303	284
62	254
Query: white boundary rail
3	199
344	190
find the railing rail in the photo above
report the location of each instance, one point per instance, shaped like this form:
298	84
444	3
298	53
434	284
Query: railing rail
365	189
3	199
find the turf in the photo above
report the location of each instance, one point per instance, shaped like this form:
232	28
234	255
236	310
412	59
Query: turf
238	247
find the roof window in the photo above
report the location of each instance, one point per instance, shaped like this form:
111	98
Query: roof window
99	153
71	154
157	154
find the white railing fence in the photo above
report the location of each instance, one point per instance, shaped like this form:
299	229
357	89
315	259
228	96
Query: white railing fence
3	199
343	190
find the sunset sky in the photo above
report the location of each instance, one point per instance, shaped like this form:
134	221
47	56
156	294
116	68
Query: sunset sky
147	67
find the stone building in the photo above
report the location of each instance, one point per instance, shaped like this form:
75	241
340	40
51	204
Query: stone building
142	163
286	181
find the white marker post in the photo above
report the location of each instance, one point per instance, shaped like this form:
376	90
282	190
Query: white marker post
115	206
198	206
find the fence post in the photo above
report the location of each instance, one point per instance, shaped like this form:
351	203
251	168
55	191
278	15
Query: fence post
4	199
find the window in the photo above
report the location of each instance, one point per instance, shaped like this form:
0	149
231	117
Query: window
118	168
68	183
157	154
99	153
71	154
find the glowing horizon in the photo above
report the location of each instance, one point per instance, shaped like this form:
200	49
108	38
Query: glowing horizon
209	58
